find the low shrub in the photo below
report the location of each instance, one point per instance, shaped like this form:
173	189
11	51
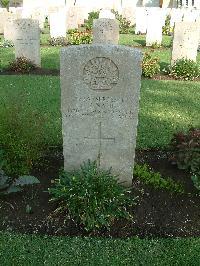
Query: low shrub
61	41
149	177
21	65
77	37
150	66
124	24
167	29
185	69
186	151
6	44
92	197
91	16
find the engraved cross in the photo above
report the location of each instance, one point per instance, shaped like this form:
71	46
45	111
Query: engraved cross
100	138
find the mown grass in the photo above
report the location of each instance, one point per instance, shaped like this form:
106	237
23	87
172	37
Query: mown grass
34	250
165	106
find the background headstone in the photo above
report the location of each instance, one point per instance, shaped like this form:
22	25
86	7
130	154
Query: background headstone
100	103
105	31
154	27
9	30
58	25
72	18
27	42
141	20
185	42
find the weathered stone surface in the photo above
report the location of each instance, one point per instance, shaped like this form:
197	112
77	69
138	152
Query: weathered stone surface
100	102
27	41
105	31
185	42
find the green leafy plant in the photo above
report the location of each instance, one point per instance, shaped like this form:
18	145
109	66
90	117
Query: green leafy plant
124	24
21	65
77	37
91	16
61	41
150	65
5	3
149	177
9	185
6	44
185	69
12	185
167	29
92	197
186	152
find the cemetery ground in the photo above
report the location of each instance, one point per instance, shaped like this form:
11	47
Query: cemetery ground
166	106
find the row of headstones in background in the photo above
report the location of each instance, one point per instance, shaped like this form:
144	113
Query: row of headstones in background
59	22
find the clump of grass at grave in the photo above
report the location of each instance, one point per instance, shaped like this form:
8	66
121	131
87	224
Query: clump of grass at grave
22	136
150	65
22	65
76	37
124	24
92	197
60	41
154	179
184	69
186	153
91	16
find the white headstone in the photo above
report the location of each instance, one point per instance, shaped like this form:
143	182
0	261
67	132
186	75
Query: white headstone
105	31
154	27
141	20
130	14
9	31
100	103
185	42
72	18
176	16
58	24
27	43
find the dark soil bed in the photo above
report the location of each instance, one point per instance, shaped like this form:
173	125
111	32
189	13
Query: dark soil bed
158	213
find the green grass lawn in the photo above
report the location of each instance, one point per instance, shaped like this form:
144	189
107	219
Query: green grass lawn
35	251
165	106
